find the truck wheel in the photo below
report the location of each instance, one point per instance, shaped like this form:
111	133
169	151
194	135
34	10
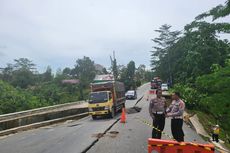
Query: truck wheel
123	106
112	113
94	117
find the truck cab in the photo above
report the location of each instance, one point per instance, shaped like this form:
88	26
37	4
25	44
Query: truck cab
100	103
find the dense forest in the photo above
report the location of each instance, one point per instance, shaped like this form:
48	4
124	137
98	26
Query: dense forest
22	87
196	62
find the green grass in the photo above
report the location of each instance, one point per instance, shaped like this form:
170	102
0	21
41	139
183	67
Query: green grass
208	121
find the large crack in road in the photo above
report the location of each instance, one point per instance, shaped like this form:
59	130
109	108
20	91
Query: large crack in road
94	142
133	109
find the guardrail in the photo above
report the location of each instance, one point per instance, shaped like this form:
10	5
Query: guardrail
37	110
37	117
41	124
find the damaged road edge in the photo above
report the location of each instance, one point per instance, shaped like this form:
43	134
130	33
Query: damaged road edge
94	142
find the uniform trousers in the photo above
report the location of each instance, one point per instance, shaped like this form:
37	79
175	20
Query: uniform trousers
159	123
176	128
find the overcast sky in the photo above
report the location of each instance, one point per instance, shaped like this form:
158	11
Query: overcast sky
57	32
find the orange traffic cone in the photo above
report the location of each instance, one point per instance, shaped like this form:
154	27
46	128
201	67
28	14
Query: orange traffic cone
123	117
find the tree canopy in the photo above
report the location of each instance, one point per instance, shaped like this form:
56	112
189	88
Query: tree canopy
197	62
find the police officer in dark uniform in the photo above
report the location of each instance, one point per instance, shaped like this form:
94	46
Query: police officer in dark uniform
157	108
175	111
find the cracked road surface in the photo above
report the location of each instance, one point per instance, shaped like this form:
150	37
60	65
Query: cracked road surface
133	135
91	136
68	137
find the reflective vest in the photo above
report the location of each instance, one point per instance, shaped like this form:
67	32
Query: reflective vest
216	130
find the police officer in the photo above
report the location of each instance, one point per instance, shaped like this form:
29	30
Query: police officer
157	109
175	111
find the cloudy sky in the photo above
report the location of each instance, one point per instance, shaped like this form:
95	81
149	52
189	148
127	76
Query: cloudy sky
57	32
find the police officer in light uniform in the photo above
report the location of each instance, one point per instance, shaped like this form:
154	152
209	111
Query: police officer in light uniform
175	111
157	109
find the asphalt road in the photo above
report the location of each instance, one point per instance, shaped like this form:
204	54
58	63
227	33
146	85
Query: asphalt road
87	135
132	137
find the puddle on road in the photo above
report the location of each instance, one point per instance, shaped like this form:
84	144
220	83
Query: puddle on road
133	110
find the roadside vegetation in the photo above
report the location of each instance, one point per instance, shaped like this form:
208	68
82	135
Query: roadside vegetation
196	62
22	87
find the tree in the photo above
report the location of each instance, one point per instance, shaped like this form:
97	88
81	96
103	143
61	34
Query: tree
24	64
85	71
127	75
122	73
131	70
7	73
12	99
23	78
197	62
192	54
216	12
140	72
23	73
114	66
131	74
202	49
148	75
67	72
32	90
47	76
215	88
104	71
166	39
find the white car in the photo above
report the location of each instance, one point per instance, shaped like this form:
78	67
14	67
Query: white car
164	87
131	94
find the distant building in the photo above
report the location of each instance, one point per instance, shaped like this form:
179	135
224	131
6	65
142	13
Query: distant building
71	81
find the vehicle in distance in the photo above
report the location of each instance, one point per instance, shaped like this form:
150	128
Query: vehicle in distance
131	94
156	83
164	87
107	96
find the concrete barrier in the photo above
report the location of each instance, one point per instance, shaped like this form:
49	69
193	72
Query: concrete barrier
22	119
39	110
41	124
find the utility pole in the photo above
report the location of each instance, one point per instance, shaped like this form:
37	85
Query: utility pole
114	66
